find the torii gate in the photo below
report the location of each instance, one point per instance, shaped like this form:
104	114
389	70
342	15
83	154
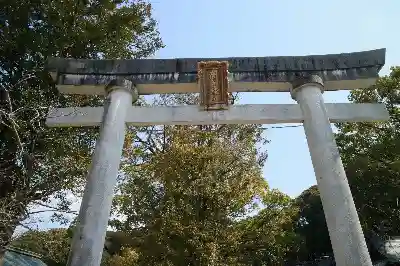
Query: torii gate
305	77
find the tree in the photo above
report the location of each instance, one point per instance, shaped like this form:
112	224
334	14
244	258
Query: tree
269	238
38	164
371	155
52	244
184	186
311	226
128	257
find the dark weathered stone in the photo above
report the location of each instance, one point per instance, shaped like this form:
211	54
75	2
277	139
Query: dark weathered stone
255	65
307	79
290	76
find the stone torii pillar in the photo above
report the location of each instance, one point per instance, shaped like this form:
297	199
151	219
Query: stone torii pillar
88	241
347	238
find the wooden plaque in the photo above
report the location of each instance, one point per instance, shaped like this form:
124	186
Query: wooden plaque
213	82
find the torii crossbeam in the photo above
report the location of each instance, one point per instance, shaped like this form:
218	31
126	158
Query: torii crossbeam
305	77
237	114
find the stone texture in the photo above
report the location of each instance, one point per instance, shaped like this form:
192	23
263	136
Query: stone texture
307	79
236	114
346	235
260	65
89	234
285	76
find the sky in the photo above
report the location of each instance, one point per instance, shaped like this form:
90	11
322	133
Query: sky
222	28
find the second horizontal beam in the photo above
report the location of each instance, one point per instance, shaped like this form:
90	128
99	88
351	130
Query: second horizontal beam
237	114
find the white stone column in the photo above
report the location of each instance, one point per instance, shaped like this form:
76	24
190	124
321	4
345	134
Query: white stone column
345	231
88	242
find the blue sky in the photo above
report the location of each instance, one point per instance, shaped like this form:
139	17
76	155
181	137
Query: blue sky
222	28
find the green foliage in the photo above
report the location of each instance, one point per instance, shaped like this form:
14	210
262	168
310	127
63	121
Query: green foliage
36	162
371	155
128	257
185	186
52	244
269	237
311	226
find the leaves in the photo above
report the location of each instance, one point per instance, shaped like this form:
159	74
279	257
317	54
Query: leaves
128	257
53	244
37	162
371	152
184	187
269	237
311	225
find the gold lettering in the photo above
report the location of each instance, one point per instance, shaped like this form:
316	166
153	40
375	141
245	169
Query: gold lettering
212	77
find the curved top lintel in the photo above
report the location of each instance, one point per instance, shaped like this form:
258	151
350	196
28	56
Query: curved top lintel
309	63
